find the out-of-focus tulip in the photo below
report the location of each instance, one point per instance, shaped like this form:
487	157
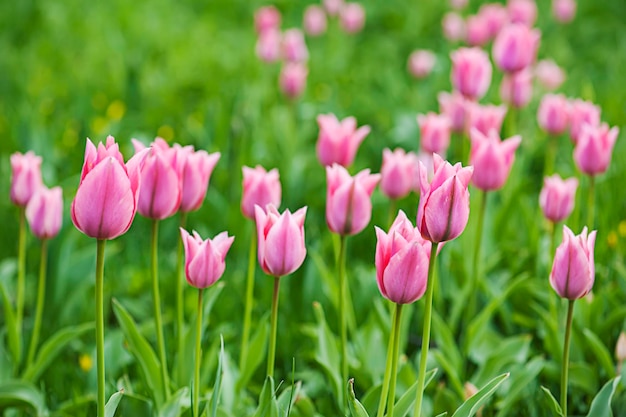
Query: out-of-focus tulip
294	46
515	47
495	16
443	209
421	63
197	172
266	18
352	17
348	199
333	7
426	159
108	193
564	10
557	197
292	79
314	20
522	11
281	248
594	148
268	46
516	88
434	132
453	26
553	114
260	188
471	72
477	31
453	105
338	141
492	159
485	117
458	4
573	270
205	259
582	113
549	74
620	347
45	212
402	257
25	177
397	173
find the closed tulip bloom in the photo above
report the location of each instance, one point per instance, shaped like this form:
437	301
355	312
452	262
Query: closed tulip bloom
314	20
260	188
453	105
421	63
333	7
549	74
522	11
593	151
492	159
458	4
294	46
485	117
516	88
453	26
25	177
348	199
402	257
471	72
266	18
515	47
477	30
45	212
281	247
434	132
352	17
338	142
573	270
108	193
582	112
553	114
205	259
564	10
443	209
495	16
557	197
292	79
397	174
269	45
197	172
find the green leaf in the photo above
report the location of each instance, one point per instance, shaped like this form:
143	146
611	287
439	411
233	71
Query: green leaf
51	348
287	398
22	394
356	408
407	401
442	360
111	405
554	404
522	377
444	414
143	353
215	398
267	401
601	404
174	406
327	353
600	351
258	345
469	407
13	332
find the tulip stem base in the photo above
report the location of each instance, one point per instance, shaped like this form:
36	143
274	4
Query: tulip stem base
271	353
247	317
100	325
180	300
341	264
591	202
391	400
41	293
21	277
566	343
196	375
157	308
387	375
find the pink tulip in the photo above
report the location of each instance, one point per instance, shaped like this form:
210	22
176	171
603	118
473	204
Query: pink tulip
260	188
195	180
458	4
205	259
352	17
515	47
549	74
268	46
495	17
593	150
471	72
25	177
522	11
338	141
582	112
421	63
553	114
314	20
434	132
294	46
516	88
477	30
333	7
348	199
453	105
443	209
573	270
485	117
397	174
426	159
453	26
45	212
292	79
564	10
402	258
281	247
266	18
557	197
108	193
492	159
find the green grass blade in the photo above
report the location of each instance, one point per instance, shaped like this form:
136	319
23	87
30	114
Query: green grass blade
111	405
356	408
21	394
601	404
471	406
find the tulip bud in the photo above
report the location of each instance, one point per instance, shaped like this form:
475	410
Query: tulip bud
485	118
294	46
333	7
352	17
434	132
421	63
573	270
314	20
522	11
292	79
495	16
492	159
620	347
594	148
268	45
25	177
266	18
471	72
515	47
338	141
453	105
564	10
553	114
397	174
195	180
557	197
453	27
476	30
260	188
205	259
549	74
582	112
516	88
45	212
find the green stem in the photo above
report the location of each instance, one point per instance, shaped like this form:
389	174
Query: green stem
180	300
100	324
341	263
475	267
271	353
41	292
247	317
591	202
391	400
553	227
512	122
196	375
21	279
548	165
157	308
393	203
428	311
387	375
566	343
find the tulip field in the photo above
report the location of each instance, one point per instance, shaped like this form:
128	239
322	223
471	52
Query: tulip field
313	209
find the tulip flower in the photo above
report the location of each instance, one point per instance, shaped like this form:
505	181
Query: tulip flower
269	46
549	74
458	4
421	63
553	114
594	148
45	212
434	132
338	141
453	105
294	46
557	197
471	72
292	79
485	118
477	31
314	20
25	177
515	47
352	17
516	88
522	11
397	173
581	113
333	7
453	26
260	188
495	16
491	158
563	11
266	18
195	180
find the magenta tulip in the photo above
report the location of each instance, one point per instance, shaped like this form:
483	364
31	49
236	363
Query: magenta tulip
515	47
471	72
582	112
352	17
573	270
398	173
294	46
434	132
564	11
314	20
45	212
266	18
421	63
516	88
281	248
549	74
260	188
338	141
205	259
453	26
402	257
196	175
348	199
453	105
443	209
557	197
492	159
522	11
292	79
594	148
495	16
25	177
485	117
477	31
553	114
269	45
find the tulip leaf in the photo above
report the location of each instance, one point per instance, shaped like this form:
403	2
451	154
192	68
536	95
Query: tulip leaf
143	353
177	402
407	401
215	398
22	394
555	407
258	346
521	378
600	351
601	404
111	405
13	331
444	414
356	408
51	348
267	401
448	347
471	406
327	352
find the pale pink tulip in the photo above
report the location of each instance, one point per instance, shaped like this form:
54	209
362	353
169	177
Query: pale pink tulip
477	30
314	20
268	46
453	27
522	11
592	153
458	4
338	141
485	117
397	173
197	172
434	132
557	197
471	72
45	212
205	259
352	17
25	177
421	63
294	46
549	74
260	188
292	79
333	7
453	105
492	159
564	11
266	18
495	16
516	88
573	270
515	47
582	113
553	115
